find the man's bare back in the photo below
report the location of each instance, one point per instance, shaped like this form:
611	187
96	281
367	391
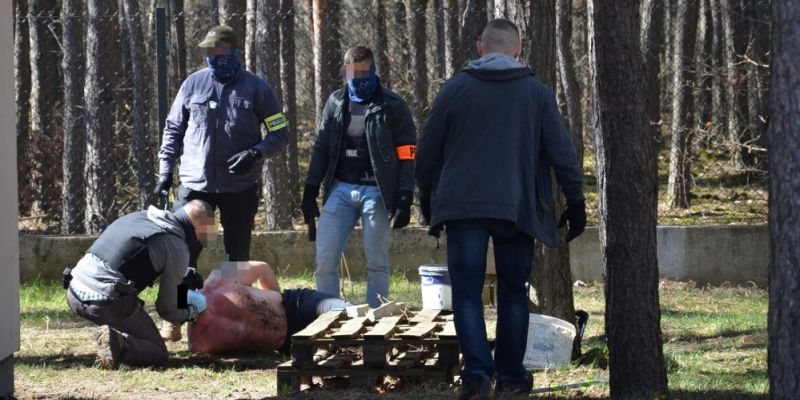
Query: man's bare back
240	317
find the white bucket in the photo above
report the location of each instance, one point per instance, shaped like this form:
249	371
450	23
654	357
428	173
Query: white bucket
549	342
436	290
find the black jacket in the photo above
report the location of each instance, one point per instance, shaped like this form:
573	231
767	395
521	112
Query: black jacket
388	125
486	151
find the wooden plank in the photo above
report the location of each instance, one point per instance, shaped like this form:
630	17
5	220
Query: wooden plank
288	380
384	328
425	316
385	310
449	330
350	328
320	325
338	360
422	329
357	310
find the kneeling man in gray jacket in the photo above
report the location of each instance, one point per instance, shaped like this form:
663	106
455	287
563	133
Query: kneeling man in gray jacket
127	258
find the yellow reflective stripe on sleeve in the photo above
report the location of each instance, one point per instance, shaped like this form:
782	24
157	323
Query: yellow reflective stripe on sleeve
275	122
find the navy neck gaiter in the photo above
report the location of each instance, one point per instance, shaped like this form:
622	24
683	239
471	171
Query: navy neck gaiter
225	67
362	89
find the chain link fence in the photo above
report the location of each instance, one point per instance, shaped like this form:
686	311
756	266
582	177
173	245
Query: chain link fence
87	151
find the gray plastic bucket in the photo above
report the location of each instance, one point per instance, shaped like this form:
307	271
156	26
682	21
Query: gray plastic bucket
436	289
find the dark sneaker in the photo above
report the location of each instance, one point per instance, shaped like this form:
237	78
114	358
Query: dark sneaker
475	389
110	345
514	388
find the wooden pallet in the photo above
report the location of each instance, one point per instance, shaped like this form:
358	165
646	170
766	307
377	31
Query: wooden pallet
366	349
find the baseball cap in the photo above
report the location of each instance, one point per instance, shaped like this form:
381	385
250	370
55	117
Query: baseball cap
220	36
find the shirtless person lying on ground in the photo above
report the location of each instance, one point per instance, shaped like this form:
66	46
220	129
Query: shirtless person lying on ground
240	317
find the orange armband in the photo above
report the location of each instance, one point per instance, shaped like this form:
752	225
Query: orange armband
406	152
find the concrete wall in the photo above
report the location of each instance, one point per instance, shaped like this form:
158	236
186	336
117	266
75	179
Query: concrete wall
9	271
707	255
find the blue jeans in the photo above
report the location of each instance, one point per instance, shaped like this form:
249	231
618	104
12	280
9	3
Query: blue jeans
345	205
467	244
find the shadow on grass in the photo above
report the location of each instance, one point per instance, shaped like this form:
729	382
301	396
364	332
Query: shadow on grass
227	362
725	334
675	394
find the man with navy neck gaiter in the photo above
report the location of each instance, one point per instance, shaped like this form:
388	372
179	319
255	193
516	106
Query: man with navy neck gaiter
215	128
364	159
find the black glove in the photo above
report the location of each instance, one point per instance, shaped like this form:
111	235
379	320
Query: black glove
575	214
425	208
309	204
163	185
242	161
402	210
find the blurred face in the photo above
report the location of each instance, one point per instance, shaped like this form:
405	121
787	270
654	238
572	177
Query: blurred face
206	229
223	50
358	69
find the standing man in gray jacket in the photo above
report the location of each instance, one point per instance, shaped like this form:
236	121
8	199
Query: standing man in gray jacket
214	126
483	170
127	258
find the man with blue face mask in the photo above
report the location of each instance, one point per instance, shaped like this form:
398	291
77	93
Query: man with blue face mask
364	159
215	127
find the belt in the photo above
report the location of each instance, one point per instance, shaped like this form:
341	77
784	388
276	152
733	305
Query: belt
88	302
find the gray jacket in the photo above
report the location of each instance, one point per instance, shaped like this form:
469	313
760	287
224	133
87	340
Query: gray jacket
169	255
209	122
493	135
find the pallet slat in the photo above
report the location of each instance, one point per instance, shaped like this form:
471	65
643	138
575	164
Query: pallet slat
322	323
425	315
420	330
350	328
385	327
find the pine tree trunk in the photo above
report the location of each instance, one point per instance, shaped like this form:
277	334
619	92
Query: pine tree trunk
568	80
250	36
784	198
419	60
438	9
382	44
99	98
176	51
22	92
73	188
626	172
142	144
277	196
551	274
757	72
683	36
730	85
475	19
289	90
44	100
651	44
327	51
702	81
232	13
451	38
401	52
719	124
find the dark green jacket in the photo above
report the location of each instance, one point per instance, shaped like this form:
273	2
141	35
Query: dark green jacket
388	124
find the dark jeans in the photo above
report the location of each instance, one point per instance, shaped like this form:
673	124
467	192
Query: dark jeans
467	246
237	214
302	307
144	345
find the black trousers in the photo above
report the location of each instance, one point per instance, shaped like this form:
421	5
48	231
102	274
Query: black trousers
237	214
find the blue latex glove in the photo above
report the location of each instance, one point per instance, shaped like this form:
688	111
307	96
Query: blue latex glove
196	299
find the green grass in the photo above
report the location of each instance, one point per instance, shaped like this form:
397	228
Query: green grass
715	343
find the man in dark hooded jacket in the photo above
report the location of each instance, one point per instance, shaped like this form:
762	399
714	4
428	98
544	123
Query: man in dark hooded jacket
483	169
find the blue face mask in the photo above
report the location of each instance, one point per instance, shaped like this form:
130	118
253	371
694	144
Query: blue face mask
361	89
225	67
